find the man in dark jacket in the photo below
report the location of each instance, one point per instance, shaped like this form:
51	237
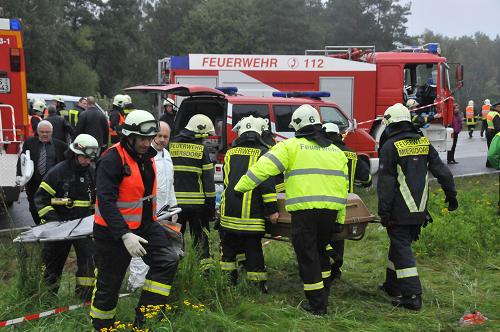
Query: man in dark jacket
94	122
243	216
74	113
61	128
67	192
359	172
169	113
45	152
194	182
405	158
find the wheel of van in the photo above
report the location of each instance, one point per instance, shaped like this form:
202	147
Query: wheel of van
377	130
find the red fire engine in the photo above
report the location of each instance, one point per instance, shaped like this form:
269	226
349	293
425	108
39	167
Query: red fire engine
361	81
13	105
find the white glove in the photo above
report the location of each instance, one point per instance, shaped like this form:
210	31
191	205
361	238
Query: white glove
133	244
175	217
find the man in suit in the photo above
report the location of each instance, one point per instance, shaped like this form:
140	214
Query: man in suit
94	123
45	152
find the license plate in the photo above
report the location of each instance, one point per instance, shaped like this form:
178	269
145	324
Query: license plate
4	85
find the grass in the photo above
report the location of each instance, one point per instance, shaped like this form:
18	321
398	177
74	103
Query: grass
458	261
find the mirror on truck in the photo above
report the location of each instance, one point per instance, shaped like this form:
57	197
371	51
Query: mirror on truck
459	76
354	124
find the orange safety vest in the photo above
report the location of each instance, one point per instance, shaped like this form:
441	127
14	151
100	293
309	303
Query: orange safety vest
469	115
30	127
484	111
113	132
130	193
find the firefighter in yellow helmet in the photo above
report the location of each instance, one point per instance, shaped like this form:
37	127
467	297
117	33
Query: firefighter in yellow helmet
405	159
194	182
316	193
60	106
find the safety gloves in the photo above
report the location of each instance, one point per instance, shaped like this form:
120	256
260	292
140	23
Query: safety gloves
133	244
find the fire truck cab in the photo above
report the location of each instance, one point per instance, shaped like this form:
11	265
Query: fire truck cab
226	109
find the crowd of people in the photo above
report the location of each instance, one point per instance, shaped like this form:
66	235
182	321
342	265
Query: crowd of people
124	170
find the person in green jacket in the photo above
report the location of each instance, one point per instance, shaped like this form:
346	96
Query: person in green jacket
316	185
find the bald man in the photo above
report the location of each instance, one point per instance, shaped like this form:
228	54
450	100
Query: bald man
46	152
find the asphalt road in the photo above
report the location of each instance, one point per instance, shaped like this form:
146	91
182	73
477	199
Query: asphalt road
470	153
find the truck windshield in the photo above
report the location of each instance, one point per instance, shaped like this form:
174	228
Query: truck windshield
333	114
421	82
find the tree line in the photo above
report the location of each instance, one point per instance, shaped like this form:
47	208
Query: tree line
83	47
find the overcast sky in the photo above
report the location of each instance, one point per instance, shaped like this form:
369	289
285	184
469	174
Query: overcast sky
454	18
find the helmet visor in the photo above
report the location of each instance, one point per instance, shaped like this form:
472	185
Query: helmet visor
88	151
148	128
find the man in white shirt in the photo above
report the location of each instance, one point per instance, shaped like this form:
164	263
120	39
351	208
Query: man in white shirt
165	195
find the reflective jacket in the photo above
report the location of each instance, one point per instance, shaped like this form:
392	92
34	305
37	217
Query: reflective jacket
132	194
116	119
73	115
193	171
484	111
315	176
66	180
245	213
470	117
402	186
493	121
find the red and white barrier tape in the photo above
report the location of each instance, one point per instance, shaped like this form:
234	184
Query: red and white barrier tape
47	313
415	109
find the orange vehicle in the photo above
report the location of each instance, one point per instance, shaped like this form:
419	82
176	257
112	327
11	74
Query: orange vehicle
13	104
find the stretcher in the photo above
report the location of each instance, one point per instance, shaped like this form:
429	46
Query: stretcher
354	227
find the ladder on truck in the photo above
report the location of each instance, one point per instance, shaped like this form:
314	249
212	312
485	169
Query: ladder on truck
355	53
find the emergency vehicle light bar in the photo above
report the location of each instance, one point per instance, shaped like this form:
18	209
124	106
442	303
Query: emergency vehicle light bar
15	25
302	94
433	48
228	90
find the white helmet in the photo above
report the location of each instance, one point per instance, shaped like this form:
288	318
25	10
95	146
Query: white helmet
249	123
200	124
39	106
411	103
471	103
168	102
140	122
396	113
128	99
264	124
487	102
331	128
59	99
119	100
304	115
85	145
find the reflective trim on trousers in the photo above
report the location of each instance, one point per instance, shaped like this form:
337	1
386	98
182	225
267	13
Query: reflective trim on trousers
156	287
240	258
228	266
267	198
326	274
318	198
407	273
257	276
102	314
316	286
206	263
85	281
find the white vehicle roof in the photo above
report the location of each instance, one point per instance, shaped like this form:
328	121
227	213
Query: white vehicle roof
47	97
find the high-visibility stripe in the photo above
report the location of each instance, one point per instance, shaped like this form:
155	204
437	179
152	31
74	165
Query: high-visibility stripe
241	257
210	194
207	167
43	211
85	281
311	287
275	161
156	287
189	194
82	203
406	193
390	265
280	187
316	198
243	224
48	188
184	168
329	247
206	263
317	171
407	273
253	177
135	204
273	197
257	276
326	274
190	201
228	266
102	314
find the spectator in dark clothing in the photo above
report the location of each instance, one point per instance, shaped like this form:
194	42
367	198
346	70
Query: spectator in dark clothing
45	152
169	115
93	122
457	128
61	128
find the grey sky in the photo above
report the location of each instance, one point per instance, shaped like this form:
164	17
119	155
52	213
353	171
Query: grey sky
454	18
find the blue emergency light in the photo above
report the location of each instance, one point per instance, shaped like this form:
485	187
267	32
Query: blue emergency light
228	90
302	94
15	24
432	48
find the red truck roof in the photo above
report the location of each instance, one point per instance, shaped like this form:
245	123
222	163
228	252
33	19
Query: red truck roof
407	57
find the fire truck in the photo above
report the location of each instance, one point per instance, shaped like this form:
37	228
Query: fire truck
361	81
13	106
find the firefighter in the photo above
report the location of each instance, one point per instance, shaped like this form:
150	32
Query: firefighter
420	119
67	192
169	112
128	106
61	128
485	109
242	217
316	195
359	171
74	113
470	117
60	106
194	182
125	223
405	158
116	118
39	108
270	140
493	123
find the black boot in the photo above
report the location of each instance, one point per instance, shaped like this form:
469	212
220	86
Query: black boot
389	290
315	311
412	302
263	287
